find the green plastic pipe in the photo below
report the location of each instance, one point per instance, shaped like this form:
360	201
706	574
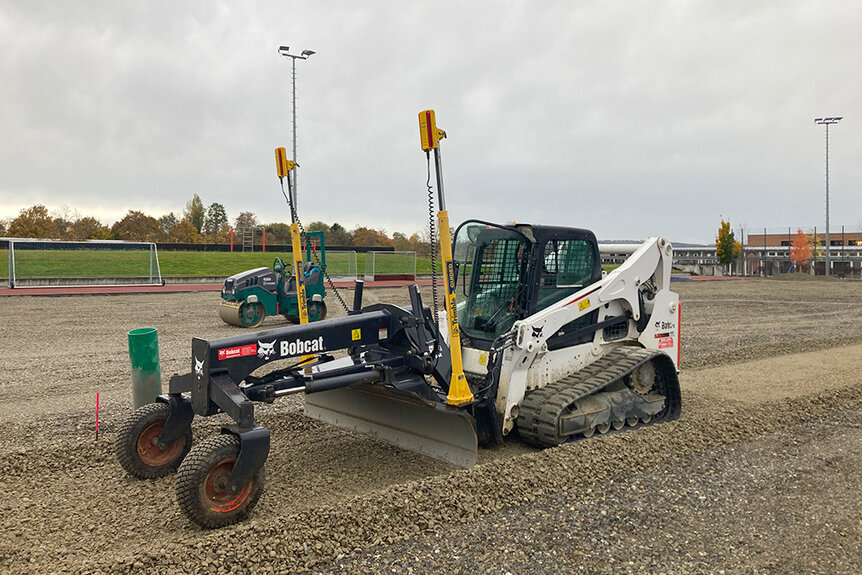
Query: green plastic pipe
146	372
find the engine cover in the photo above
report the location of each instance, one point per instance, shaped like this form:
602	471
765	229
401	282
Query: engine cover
262	277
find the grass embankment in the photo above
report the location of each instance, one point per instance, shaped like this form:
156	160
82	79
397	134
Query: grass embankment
92	263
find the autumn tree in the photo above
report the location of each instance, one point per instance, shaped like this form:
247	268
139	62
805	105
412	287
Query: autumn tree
138	227
195	212
216	218
370	237
34	222
88	228
401	242
726	246
185	233
800	250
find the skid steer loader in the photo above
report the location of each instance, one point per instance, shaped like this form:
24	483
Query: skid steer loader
538	340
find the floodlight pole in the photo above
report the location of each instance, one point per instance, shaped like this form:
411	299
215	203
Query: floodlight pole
827	122
285	51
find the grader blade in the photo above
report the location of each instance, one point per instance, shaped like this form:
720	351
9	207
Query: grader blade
430	429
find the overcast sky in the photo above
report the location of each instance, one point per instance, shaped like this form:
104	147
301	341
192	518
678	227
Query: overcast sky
628	118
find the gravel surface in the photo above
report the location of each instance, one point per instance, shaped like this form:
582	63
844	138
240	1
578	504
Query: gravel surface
760	475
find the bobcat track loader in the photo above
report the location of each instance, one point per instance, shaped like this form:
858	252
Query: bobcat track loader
539	342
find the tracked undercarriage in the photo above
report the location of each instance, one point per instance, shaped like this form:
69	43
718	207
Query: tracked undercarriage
629	386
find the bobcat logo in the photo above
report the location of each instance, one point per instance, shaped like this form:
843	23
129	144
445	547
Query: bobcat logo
199	368
265	350
537	332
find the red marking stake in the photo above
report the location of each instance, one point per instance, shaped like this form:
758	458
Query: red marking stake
97	415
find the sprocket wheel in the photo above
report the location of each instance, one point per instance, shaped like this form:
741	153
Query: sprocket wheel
643	378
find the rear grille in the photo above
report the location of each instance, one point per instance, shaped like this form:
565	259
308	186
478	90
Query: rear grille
616	331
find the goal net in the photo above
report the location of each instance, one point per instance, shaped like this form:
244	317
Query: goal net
40	263
388	266
341	265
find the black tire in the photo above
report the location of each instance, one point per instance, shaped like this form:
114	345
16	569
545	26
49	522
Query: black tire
316	311
201	484
136	449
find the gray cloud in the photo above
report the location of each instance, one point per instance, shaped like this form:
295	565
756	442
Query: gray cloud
628	118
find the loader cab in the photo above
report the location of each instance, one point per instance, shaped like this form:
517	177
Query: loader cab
507	273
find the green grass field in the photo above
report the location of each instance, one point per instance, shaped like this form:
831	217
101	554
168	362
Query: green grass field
92	263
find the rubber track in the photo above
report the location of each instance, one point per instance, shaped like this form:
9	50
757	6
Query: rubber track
541	409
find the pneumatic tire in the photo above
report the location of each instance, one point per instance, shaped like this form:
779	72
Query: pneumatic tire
136	443
202	484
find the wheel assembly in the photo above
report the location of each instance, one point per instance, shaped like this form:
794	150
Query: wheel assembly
316	311
251	314
203	483
137	443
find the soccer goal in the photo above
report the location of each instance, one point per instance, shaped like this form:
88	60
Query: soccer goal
40	263
341	265
389	266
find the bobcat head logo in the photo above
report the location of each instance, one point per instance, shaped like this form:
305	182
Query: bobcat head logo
199	368
537	332
265	350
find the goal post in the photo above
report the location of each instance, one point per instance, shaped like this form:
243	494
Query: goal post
390	266
341	265
36	262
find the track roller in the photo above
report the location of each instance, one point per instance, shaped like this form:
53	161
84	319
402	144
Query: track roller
137	439
202	484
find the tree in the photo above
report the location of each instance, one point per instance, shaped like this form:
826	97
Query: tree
402	243
368	237
338	236
222	236
64	219
138	227
278	233
195	212
317	227
34	222
818	247
167	222
246	220
185	233
216	217
88	228
3	227
726	247
800	250
419	244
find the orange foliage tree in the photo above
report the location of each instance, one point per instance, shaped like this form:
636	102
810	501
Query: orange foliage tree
800	249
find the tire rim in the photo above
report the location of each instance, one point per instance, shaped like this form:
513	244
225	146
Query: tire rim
149	453
216	495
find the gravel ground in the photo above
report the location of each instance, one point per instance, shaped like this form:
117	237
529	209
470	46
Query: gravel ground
760	475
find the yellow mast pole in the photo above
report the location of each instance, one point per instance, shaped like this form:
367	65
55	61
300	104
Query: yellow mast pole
284	167
459	390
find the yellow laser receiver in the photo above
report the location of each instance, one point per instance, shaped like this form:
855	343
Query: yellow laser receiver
282	164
